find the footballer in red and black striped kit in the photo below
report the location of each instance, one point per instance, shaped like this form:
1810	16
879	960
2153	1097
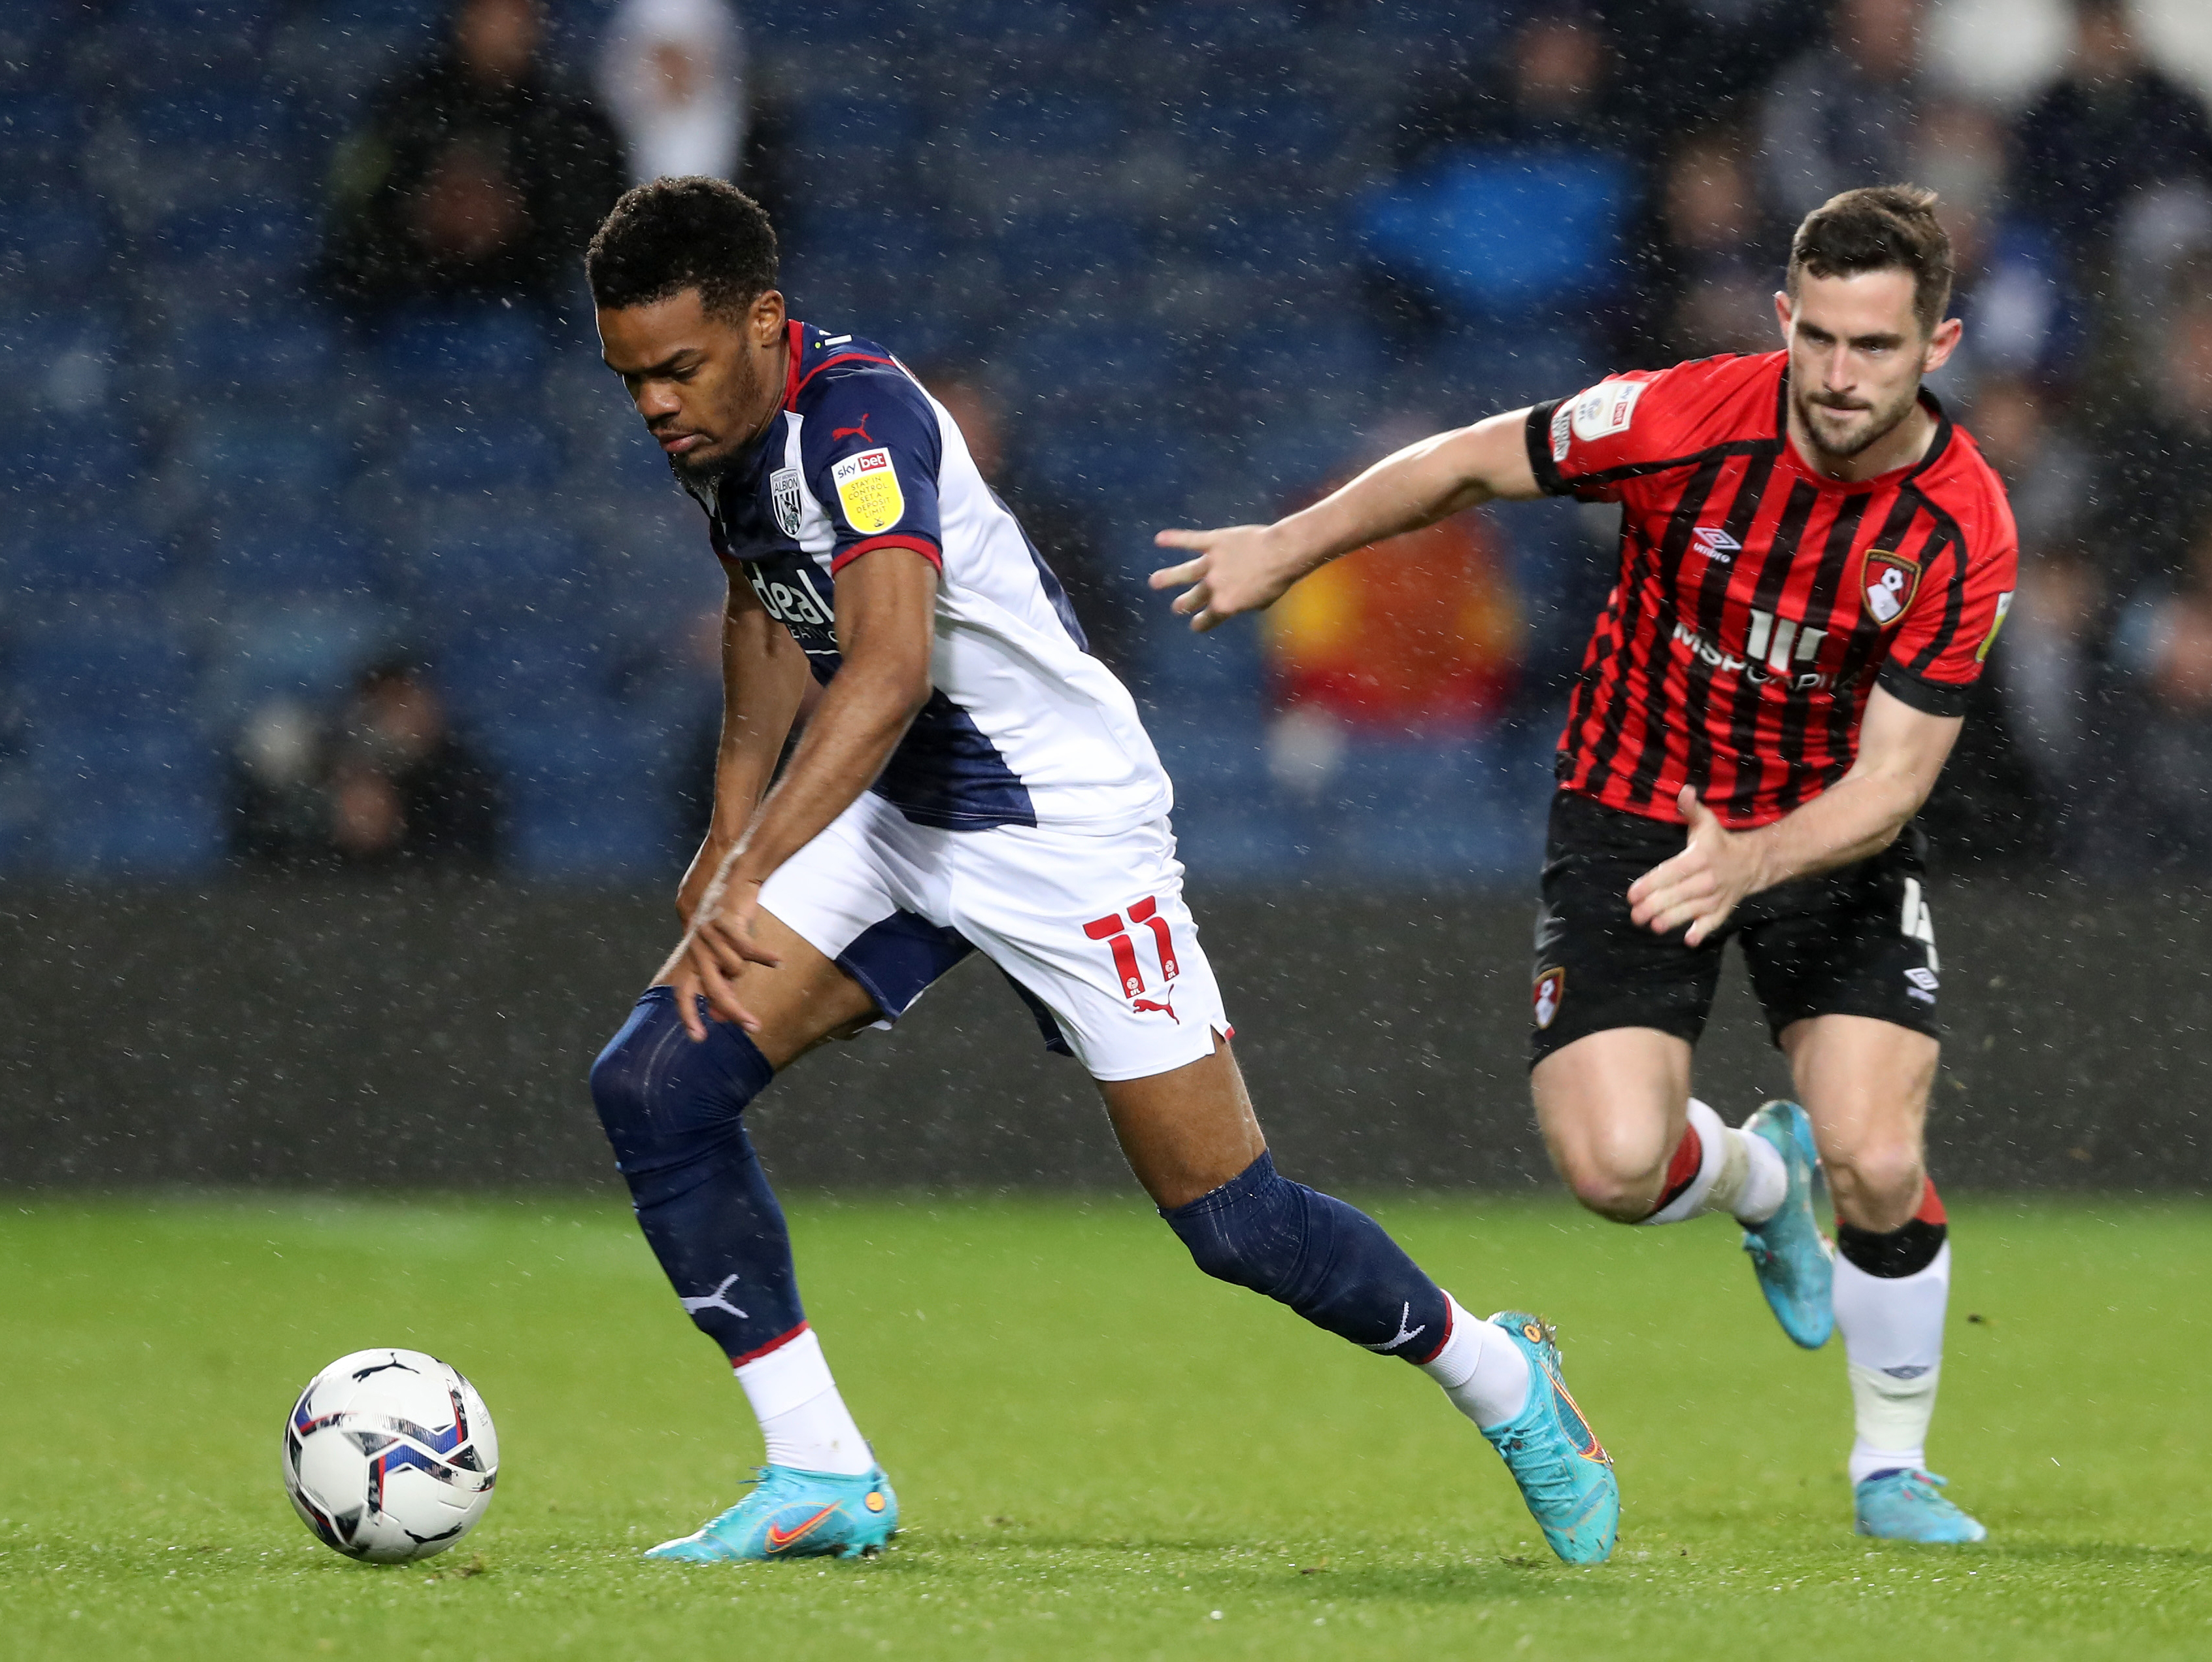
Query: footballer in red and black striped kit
1759	602
1814	562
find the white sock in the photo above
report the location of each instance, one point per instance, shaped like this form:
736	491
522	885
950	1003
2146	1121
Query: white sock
1737	1174
1482	1371
1892	1331
803	1419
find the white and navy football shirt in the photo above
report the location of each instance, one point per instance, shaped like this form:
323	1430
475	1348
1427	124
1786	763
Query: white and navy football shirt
1024	727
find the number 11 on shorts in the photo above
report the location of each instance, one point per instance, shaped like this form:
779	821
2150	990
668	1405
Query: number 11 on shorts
1111	930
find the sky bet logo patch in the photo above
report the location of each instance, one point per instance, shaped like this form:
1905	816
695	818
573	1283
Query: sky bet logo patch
868	490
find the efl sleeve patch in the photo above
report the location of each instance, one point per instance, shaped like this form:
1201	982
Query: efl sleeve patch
868	490
2004	605
1606	408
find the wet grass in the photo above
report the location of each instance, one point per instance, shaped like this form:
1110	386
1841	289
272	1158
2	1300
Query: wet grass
1098	1452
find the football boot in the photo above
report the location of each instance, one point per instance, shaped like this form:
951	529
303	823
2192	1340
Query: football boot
1795	1261
795	1514
1903	1505
1565	1474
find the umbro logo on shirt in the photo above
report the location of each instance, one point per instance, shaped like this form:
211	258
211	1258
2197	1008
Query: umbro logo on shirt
1714	543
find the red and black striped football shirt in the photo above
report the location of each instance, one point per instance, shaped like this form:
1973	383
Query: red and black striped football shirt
1758	602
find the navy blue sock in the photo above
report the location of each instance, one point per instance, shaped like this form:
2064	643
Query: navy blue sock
1329	1261
672	1109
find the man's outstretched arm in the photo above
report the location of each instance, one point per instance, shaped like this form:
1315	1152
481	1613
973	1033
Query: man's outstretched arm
1245	567
885	604
1901	752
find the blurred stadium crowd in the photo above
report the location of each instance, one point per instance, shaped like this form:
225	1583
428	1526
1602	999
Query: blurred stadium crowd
325	540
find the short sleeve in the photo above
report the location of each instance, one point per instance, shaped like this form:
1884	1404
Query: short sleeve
1588	445
872	451
1591	445
1938	651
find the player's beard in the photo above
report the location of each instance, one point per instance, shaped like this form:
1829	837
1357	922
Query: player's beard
704	469
1882	420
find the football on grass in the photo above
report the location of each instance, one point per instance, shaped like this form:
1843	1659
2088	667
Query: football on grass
389	1455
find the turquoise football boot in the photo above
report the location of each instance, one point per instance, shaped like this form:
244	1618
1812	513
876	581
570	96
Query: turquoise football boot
1795	1262
1903	1506
795	1514
1565	1474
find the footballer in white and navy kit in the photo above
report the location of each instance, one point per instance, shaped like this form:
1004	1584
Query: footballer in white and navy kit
968	779
1023	731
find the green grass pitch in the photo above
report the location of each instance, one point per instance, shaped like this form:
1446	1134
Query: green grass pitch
1099	1452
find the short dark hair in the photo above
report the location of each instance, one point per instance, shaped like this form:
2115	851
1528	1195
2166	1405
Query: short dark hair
1882	227
678	234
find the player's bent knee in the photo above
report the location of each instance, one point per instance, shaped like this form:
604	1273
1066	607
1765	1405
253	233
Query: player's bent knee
665	1101
1611	1180
1245	1232
1878	1178
1610	1198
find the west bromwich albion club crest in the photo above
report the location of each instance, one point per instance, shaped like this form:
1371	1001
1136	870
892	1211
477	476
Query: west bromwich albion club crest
783	488
1889	581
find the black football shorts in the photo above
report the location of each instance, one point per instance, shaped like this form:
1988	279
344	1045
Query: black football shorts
1857	940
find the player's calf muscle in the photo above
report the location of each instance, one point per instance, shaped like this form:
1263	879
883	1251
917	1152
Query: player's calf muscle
1186	1131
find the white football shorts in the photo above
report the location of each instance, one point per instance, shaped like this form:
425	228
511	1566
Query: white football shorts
1092	929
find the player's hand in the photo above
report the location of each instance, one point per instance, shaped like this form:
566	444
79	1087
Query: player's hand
715	954
1240	567
1699	886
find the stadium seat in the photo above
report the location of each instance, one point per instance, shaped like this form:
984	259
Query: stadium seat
1507	232
251	462
112	661
53	252
590	799
284	551
135	799
499	564
65	358
888	125
270	238
482	354
211	121
420	17
304	649
1043	252
48	558
1504	369
41	135
1230	819
222	17
264	356
1092	360
527	666
74	461
453	451
1274	136
1424	809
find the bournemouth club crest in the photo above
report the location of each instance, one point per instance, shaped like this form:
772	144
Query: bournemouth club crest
783	488
1551	988
1889	581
